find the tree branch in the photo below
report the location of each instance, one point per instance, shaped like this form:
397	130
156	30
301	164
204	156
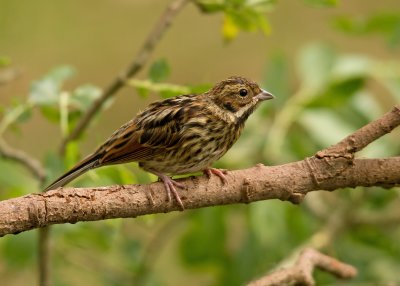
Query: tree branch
327	172
365	135
44	251
301	272
24	159
137	64
71	205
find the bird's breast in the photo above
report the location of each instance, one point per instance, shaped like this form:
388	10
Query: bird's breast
202	143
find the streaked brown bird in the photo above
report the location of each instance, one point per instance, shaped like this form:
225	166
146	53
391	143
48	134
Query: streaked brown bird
179	135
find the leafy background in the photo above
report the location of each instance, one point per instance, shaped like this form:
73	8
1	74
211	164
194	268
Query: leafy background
333	66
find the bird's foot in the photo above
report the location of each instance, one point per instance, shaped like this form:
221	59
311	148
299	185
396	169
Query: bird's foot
170	185
219	173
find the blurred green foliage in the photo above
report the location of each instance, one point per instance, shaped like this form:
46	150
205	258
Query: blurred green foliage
4	61
386	24
239	15
329	95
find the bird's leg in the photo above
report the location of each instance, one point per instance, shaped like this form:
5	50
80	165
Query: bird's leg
219	173
170	185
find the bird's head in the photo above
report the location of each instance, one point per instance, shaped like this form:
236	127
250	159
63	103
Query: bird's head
239	96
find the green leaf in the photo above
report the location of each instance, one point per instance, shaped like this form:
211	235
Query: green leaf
54	166
325	126
46	91
276	76
143	87
18	113
50	113
143	91
393	84
107	176
19	250
72	154
210	6
315	65
352	66
159	70
385	23
169	93
263	213
209	225
298	145
24	116
125	175
213	6
83	96
229	29
338	93
239	15
4	61
200	88
98	236
322	3
246	18
15	180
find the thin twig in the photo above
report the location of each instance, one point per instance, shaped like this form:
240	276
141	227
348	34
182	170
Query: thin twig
44	256
33	165
364	136
155	244
137	64
390	216
301	272
323	238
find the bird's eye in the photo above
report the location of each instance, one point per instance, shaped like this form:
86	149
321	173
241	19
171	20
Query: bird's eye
243	92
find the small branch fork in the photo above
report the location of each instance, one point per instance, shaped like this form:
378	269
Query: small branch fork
140	60
301	272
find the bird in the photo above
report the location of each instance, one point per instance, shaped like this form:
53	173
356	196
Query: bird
179	135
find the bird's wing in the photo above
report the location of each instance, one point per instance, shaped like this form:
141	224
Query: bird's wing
123	146
154	131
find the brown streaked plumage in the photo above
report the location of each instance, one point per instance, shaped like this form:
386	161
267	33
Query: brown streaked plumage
179	135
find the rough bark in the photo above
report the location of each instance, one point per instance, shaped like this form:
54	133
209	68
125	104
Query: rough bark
301	272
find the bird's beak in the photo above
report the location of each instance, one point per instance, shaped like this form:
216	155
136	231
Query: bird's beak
264	95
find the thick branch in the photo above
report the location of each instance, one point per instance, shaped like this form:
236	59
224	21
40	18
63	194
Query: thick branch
301	272
71	205
137	64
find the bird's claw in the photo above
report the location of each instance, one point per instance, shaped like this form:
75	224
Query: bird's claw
219	173
170	185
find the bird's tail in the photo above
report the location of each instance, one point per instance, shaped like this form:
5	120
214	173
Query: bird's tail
82	167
